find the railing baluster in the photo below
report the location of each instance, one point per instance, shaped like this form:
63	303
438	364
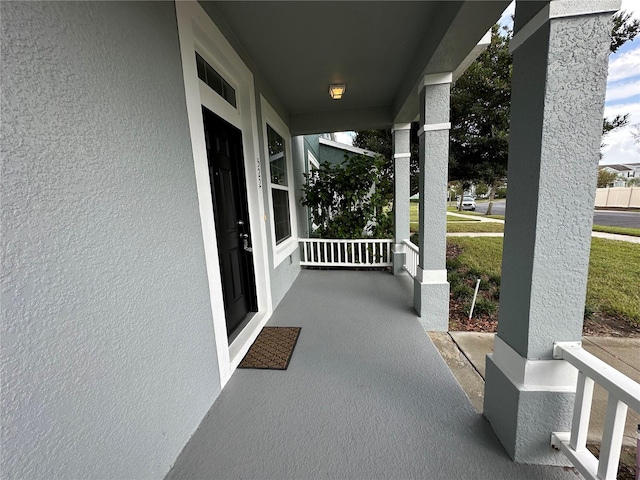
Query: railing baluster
624	393
581	413
612	438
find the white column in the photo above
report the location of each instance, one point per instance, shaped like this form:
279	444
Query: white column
431	289
401	192
560	56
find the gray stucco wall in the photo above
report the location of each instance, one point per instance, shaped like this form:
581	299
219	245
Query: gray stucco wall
284	274
109	357
334	156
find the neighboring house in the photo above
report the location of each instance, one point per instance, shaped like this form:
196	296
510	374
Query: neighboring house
624	172
318	149
151	159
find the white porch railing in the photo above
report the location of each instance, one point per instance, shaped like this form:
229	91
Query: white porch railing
323	252
411	258
623	393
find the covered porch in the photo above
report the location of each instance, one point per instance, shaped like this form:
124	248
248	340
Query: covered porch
115	315
366	395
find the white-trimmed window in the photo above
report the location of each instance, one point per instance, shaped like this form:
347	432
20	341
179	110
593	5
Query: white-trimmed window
281	186
279	182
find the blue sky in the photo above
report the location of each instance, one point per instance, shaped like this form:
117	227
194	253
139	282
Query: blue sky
623	95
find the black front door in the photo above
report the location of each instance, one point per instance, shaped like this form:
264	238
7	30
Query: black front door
228	187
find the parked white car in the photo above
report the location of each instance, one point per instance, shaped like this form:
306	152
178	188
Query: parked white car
468	203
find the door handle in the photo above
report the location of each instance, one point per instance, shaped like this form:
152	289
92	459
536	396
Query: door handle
245	244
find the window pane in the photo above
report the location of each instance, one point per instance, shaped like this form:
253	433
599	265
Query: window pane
208	75
201	68
214	80
281	214
277	158
229	93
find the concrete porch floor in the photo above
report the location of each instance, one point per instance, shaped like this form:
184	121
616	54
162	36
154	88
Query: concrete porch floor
366	395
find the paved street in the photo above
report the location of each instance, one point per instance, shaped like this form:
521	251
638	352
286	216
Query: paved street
498	207
600	217
616	219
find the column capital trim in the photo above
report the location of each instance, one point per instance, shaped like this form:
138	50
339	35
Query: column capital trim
559	9
533	375
400	126
401	155
434	127
436	79
431	276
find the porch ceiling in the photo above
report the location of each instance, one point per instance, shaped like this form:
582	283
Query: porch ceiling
380	49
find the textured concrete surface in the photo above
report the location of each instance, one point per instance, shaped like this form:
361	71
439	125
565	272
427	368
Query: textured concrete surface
108	350
401	192
366	395
554	129
475	346
465	371
465	354
431	298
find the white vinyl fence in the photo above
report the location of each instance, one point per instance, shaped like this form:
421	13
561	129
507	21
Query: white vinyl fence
322	252
620	197
623	393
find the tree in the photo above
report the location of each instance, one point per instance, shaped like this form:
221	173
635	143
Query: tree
480	102
350	200
625	29
381	141
635	132
633	182
605	178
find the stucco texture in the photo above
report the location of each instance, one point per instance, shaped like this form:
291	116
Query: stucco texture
108	360
559	82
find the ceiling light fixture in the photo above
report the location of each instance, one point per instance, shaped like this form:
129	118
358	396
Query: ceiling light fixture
336	90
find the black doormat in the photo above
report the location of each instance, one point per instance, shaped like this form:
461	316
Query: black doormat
272	349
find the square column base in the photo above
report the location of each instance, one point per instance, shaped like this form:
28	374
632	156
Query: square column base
431	302
523	416
398	263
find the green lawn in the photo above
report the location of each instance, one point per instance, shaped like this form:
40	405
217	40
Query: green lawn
614	281
613	285
478	227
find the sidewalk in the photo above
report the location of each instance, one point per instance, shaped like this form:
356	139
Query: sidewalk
477	218
465	353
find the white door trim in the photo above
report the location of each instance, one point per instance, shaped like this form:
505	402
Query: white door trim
197	31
